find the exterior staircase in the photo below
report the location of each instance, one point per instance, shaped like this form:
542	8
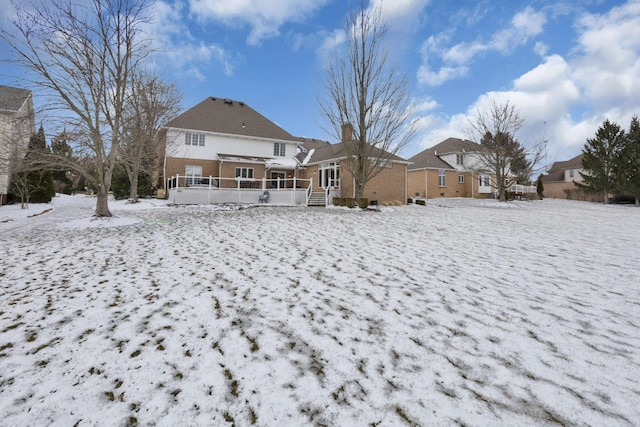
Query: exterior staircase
317	198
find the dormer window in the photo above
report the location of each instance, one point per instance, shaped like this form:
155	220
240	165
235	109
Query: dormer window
459	159
279	149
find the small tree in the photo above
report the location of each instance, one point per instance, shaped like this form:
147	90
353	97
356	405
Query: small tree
540	187
369	97
599	157
500	153
32	181
150	104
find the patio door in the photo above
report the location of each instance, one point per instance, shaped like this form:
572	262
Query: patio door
277	179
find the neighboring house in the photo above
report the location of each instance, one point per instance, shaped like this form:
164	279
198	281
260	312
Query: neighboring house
559	182
446	170
17	124
225	144
324	165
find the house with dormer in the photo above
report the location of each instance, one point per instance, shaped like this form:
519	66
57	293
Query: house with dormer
222	150
223	144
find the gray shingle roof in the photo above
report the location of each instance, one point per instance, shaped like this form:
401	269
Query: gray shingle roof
335	151
556	172
429	158
230	117
12	98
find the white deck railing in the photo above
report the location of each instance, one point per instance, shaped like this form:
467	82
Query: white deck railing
186	190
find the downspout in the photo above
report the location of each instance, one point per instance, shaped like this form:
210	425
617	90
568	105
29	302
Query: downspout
426	184
472	186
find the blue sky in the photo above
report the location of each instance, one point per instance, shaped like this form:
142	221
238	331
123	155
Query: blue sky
566	66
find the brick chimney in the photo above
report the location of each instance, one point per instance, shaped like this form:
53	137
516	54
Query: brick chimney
347	132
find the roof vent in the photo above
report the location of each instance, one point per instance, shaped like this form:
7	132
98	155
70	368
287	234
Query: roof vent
241	103
212	98
228	101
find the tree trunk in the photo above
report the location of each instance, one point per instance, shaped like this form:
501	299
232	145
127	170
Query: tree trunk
102	204
637	200
133	181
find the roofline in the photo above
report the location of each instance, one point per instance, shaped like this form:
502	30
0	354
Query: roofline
232	135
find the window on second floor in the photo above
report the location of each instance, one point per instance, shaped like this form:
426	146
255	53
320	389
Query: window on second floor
279	149
194	139
442	178
570	173
459	159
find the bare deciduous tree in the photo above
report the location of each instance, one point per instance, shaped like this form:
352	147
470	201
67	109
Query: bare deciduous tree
500	153
150	104
82	56
367	94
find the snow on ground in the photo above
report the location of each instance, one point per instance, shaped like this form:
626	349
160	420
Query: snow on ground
457	312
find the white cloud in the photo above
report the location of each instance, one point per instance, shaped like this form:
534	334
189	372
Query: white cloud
525	25
608	60
330	43
400	14
264	17
428	77
178	48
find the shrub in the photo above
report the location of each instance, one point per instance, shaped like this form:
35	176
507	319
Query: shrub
409	200
350	202
363	203
420	202
337	201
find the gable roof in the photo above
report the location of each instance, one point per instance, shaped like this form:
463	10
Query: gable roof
229	117
335	152
430	158
556	172
12	98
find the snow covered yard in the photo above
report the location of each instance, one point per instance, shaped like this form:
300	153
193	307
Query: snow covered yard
459	312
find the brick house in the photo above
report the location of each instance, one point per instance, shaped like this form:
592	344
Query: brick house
559	181
447	170
222	150
325	165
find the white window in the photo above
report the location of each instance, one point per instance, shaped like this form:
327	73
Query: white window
279	149
442	178
245	173
459	159
193	174
485	180
461	178
329	174
194	139
570	173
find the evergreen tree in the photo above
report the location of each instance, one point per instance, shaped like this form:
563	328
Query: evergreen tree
32	181
599	157
627	168
540	187
39	176
61	175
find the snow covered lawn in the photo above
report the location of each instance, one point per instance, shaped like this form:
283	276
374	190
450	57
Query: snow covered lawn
458	312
